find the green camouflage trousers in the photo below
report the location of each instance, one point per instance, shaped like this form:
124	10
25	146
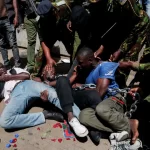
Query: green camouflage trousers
39	59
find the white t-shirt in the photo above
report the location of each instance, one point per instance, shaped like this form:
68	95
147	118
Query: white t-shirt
9	85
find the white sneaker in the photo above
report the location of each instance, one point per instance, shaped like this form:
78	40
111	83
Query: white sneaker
119	136
78	128
125	145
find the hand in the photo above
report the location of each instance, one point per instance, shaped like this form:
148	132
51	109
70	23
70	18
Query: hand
133	91
49	66
3	71
99	51
96	54
4	77
135	65
115	56
69	25
76	85
76	69
44	96
15	22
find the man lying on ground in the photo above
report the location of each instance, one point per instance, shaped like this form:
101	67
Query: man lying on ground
24	93
68	97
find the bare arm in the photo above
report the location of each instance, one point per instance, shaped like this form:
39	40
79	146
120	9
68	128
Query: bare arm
125	65
73	77
99	51
53	83
102	86
134	65
21	76
15	5
46	52
50	61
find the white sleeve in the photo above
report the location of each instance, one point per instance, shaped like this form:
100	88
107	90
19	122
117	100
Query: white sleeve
20	70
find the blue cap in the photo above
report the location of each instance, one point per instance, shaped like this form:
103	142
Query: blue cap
44	7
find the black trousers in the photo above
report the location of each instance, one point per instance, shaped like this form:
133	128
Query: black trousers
67	96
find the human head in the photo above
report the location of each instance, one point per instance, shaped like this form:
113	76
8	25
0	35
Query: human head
2	69
49	75
85	57
44	8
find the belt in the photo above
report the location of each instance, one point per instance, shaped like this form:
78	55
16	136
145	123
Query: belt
117	100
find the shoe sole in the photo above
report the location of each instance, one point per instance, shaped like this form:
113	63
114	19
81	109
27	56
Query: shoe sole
132	147
83	134
139	145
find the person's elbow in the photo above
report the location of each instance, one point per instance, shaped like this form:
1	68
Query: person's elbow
26	76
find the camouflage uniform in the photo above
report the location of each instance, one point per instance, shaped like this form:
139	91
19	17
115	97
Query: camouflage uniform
143	73
140	31
132	10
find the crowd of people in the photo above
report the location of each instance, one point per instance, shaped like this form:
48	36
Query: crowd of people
104	39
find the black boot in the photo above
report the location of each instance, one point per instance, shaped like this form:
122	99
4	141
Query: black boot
53	115
95	136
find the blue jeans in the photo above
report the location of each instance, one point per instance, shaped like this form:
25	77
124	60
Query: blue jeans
24	94
8	34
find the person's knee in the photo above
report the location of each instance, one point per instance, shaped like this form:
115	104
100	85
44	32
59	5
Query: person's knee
84	117
5	122
102	111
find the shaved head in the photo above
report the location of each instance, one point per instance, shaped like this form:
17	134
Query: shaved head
85	57
85	52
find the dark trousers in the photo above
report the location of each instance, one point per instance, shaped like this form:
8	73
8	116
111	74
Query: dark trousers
67	96
8	34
